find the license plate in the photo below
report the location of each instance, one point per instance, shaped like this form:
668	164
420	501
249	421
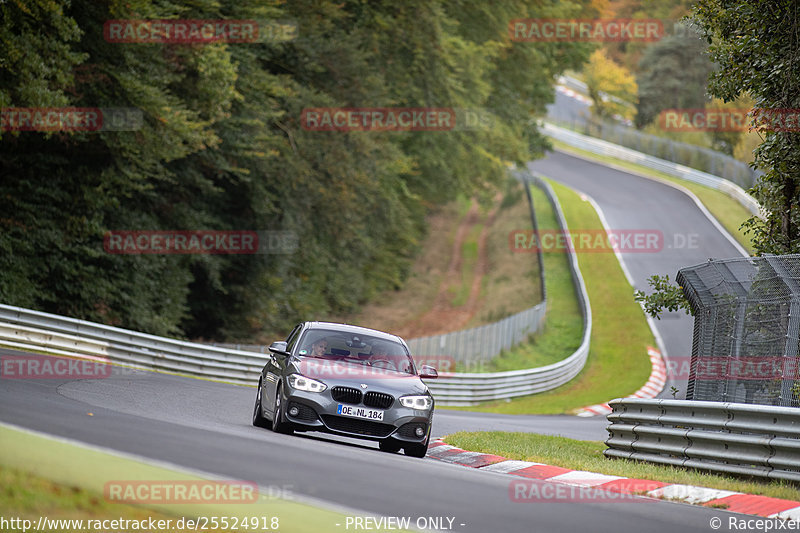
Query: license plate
359	412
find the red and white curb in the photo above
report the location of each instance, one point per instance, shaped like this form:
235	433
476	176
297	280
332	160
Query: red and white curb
572	94
651	389
735	502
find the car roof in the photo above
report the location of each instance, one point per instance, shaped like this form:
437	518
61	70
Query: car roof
349	328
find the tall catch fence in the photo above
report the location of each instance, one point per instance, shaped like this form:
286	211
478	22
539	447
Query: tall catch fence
746	330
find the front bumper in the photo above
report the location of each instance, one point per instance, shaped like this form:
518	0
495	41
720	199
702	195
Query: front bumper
318	412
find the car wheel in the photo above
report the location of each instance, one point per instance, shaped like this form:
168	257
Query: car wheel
258	412
389	445
416	450
279	425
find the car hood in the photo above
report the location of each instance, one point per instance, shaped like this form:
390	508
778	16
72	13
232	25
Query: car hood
355	375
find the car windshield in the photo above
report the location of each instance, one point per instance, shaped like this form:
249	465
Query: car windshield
356	348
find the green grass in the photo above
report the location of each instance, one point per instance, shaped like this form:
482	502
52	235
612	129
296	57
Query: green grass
561	333
618	363
28	497
463	204
730	213
469	261
44	477
511	282
588	456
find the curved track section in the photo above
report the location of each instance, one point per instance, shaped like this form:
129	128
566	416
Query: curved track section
206	426
636	204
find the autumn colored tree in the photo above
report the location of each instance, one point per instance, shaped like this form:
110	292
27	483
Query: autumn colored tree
611	87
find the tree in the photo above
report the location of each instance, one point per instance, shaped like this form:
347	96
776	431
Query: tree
755	46
673	74
222	147
727	139
611	87
629	53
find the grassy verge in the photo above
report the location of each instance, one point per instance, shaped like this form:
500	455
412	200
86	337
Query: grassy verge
511	282
29	497
588	455
618	363
45	477
469	261
507	288
561	333
730	213
394	309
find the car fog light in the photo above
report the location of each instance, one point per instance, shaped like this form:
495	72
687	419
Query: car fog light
294	411
419	431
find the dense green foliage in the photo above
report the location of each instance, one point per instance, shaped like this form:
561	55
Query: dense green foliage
673	74
756	47
665	296
222	148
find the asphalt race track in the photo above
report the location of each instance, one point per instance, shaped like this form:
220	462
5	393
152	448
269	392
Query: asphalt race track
634	203
206	426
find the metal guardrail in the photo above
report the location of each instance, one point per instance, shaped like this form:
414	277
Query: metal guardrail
260	348
581	87
17	336
480	344
466	389
623	133
34	330
600	147
755	440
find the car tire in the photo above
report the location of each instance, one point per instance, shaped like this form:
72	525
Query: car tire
416	450
258	413
279	424
389	446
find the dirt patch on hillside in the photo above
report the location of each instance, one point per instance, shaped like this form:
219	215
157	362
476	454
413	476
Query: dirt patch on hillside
443	316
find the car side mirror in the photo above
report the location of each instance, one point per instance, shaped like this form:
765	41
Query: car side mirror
428	372
278	347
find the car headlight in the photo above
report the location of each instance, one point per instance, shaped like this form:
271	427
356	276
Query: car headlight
300	382
417	402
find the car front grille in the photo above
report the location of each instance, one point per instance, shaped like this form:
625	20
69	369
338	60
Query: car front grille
346	395
306	412
379	400
359	427
408	430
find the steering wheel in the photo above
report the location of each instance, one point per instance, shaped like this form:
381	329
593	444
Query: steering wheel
383	363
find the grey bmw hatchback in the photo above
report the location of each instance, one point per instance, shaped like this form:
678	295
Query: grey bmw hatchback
346	380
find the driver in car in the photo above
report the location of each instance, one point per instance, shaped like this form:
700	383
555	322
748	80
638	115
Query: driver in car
319	347
380	357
